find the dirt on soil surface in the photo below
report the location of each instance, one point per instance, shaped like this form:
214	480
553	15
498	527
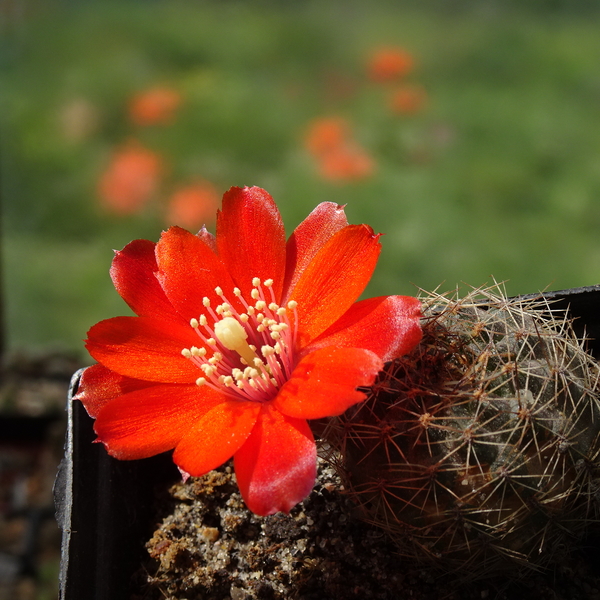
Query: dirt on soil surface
210	547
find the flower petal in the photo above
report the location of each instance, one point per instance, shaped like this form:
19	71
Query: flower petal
277	466
98	385
208	238
251	238
150	421
324	382
334	279
144	348
216	436
189	270
389	326
308	238
133	273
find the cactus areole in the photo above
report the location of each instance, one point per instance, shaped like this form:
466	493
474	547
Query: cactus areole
238	339
479	450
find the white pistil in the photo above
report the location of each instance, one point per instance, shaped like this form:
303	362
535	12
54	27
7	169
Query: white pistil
231	333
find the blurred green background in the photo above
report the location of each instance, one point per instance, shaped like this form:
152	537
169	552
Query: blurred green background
496	174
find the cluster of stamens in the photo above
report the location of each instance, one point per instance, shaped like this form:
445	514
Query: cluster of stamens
247	355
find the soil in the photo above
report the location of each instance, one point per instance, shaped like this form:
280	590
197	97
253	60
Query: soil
210	547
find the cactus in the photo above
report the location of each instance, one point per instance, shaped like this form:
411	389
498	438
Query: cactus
479	450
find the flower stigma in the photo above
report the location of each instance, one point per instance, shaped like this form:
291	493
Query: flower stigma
247	355
233	336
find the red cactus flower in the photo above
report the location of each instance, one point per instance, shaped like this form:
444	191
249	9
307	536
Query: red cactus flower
238	340
390	63
130	180
155	106
408	99
338	156
349	162
193	205
326	134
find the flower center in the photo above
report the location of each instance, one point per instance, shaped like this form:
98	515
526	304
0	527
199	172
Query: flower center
247	355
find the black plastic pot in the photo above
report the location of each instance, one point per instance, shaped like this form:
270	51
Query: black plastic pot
105	506
105	509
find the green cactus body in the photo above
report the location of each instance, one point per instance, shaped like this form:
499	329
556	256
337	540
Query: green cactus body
479	449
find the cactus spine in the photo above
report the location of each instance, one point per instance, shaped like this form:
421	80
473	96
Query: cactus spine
480	449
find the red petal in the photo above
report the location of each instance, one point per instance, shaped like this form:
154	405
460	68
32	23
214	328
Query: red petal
208	238
144	348
277	466
98	385
216	437
251	238
324	382
189	270
309	237
334	279
389	326
133	273
153	420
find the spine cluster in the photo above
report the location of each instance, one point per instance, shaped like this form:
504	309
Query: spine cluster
480	449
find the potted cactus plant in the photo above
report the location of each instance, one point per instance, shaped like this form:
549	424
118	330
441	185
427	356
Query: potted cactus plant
464	429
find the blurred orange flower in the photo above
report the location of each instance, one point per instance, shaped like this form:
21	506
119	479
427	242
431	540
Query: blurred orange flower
192	206
348	162
326	134
154	106
130	180
390	63
339	157
408	99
